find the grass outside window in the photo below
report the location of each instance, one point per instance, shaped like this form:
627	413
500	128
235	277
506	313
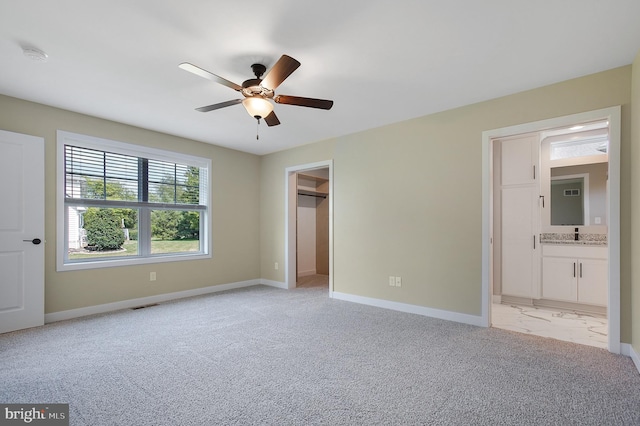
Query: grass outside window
130	248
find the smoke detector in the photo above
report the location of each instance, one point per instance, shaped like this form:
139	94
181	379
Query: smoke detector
35	54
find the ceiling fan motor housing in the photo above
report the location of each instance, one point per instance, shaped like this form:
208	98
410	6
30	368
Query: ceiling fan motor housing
253	87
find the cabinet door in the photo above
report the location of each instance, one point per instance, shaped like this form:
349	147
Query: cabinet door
519	160
520	262
559	278
592	281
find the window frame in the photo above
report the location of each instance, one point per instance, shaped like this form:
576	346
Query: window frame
100	144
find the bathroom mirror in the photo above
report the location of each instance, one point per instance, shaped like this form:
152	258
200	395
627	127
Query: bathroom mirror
578	195
568	201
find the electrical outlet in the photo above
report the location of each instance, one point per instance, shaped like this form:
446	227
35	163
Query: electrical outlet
275	266
392	281
152	276
398	281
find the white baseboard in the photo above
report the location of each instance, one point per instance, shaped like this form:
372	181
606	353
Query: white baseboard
412	309
627	349
306	273
496	298
132	303
271	283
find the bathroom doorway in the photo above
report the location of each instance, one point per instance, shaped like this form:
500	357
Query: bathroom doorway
545	302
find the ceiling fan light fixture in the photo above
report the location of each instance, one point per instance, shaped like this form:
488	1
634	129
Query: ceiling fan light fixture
257	107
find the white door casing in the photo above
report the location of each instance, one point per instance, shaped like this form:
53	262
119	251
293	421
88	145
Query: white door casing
21	226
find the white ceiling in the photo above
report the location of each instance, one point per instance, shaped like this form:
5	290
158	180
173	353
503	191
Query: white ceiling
381	61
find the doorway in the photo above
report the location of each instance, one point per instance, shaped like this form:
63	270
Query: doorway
612	273
309	225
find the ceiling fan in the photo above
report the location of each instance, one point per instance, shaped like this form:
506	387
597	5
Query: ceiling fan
257	91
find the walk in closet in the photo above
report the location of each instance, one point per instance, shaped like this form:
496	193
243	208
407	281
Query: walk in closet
313	222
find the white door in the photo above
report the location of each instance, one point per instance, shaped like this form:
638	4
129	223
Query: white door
21	231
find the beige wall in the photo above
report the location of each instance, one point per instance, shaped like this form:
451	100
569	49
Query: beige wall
408	201
408	196
235	196
635	208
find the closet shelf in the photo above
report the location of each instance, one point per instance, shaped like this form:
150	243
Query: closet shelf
313	186
312	178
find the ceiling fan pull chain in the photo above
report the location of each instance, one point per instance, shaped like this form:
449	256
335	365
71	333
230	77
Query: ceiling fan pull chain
258	129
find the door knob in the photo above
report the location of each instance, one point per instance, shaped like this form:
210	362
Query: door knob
35	241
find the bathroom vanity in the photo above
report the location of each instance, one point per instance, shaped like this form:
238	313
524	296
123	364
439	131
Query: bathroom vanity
575	273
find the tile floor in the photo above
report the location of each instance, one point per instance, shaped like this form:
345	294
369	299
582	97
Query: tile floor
569	326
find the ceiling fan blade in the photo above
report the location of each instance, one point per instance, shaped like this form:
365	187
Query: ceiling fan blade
220	105
271	119
305	102
279	72
209	76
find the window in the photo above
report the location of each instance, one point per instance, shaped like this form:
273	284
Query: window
579	148
124	204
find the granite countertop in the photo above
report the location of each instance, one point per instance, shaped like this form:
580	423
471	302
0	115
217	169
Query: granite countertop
569	239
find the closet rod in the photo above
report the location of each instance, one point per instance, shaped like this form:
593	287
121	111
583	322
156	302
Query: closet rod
311	195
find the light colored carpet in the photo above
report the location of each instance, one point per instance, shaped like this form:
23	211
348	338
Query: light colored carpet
262	355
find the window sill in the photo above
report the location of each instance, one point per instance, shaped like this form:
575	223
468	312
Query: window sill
78	266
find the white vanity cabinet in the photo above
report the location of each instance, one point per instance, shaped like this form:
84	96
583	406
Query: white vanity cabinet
576	274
